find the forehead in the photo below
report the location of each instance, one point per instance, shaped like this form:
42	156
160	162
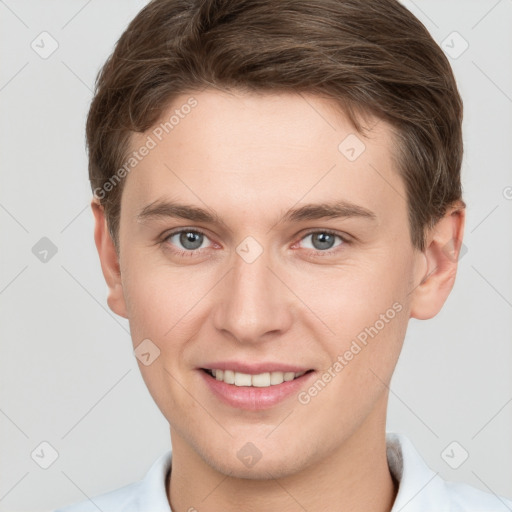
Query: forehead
261	152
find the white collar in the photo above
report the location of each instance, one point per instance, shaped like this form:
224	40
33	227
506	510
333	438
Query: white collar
423	490
420	488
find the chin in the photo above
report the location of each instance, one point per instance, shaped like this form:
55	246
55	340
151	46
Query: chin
262	470
252	464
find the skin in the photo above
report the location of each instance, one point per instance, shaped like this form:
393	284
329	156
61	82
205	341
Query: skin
249	158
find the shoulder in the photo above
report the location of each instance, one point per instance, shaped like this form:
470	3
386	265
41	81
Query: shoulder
422	490
147	494
464	497
122	499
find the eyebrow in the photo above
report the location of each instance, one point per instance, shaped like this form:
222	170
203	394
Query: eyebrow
314	211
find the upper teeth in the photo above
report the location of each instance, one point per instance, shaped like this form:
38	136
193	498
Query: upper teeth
261	380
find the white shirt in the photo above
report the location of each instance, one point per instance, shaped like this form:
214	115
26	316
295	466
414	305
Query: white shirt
420	489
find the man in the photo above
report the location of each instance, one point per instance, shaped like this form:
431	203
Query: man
276	193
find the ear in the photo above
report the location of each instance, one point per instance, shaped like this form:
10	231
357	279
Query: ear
109	261
443	246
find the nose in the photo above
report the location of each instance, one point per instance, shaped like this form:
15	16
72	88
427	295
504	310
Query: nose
253	303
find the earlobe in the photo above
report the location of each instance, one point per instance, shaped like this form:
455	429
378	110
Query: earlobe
442	252
109	261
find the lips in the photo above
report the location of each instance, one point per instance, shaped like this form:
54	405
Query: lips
254	386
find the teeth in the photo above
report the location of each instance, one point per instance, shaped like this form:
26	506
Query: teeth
229	377
261	380
243	379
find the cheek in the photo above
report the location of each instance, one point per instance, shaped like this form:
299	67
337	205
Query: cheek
157	299
157	306
366	310
351	298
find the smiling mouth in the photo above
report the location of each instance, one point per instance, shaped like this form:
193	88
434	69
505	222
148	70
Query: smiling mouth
260	380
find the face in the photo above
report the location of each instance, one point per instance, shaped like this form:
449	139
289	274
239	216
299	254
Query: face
261	240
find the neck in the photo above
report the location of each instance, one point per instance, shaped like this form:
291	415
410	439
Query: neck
354	478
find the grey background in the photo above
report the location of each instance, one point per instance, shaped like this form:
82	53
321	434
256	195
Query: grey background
68	376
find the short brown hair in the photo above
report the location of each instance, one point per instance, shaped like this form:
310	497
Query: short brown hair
371	56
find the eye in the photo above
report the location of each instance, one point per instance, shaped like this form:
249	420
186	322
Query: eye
323	240
188	239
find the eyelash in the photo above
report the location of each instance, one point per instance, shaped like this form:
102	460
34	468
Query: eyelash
315	253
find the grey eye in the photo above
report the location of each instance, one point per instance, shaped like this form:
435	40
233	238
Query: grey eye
190	240
322	240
